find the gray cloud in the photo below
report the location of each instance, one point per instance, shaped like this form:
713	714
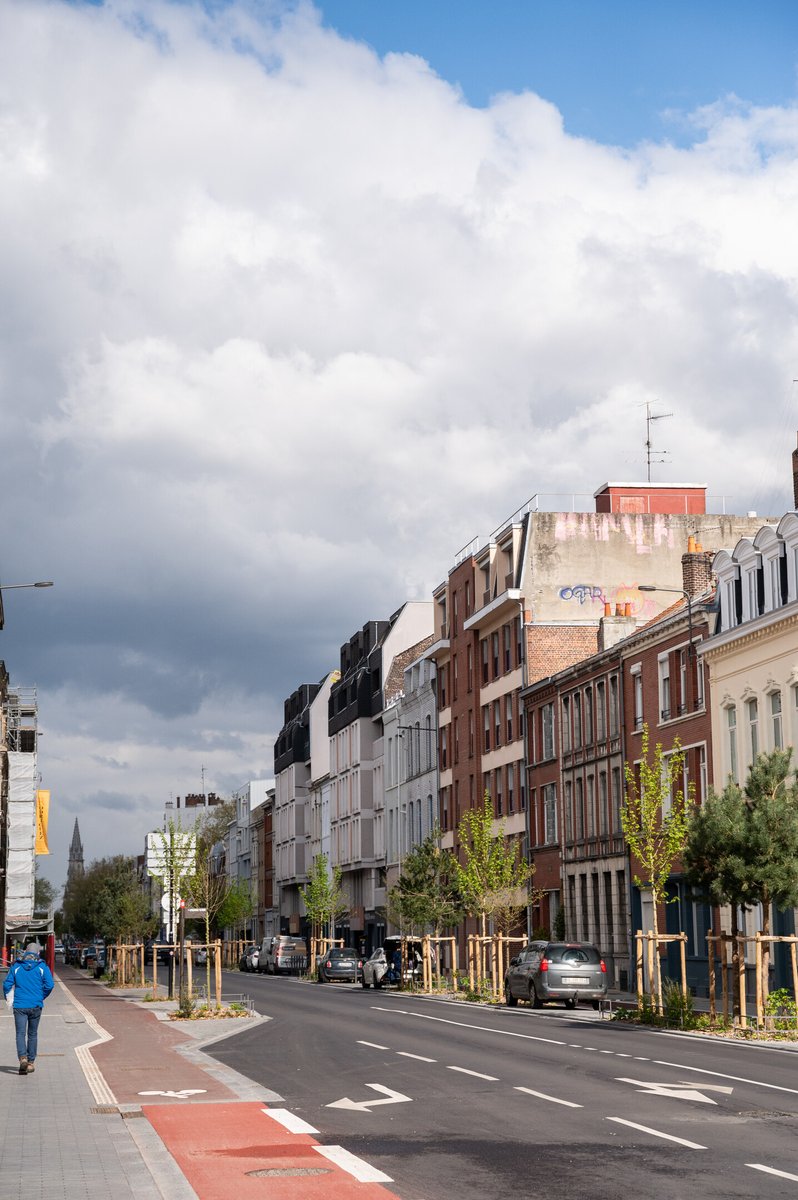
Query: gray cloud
283	324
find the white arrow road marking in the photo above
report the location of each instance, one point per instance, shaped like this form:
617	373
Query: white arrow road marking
182	1095
391	1097
678	1091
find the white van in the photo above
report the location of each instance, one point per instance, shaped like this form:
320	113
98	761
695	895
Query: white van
283	955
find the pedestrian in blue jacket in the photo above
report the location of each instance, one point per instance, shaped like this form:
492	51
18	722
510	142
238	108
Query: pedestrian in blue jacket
32	983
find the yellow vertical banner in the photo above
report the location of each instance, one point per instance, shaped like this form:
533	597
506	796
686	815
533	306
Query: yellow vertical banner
42	816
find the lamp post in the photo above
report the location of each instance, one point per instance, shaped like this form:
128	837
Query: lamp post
7	587
654	587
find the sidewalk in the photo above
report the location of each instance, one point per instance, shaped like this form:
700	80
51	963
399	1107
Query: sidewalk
123	1102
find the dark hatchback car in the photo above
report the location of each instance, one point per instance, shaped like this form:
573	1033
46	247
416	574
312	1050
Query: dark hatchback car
339	963
564	971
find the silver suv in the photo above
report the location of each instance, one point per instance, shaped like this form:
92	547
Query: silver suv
566	971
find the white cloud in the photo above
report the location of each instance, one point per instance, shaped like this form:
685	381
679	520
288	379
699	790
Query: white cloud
281	329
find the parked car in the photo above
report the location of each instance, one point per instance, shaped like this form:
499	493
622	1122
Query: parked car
244	960
59	951
200	956
253	958
565	971
384	965
87	956
283	954
339	963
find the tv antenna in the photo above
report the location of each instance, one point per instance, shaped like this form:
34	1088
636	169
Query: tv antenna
649	460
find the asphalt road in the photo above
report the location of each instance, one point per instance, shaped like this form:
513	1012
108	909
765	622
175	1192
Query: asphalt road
457	1100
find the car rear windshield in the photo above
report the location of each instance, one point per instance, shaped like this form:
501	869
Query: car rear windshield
573	954
338	952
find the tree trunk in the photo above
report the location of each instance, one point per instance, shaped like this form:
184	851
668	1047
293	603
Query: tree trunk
656	982
765	977
735	930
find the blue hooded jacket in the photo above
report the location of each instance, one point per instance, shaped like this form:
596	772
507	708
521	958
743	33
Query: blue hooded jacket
31	980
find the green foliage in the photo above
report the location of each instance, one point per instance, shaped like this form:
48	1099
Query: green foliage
559	924
323	897
542	934
187	1005
493	879
426	896
655	813
677	1007
108	900
44	894
781	1004
237	905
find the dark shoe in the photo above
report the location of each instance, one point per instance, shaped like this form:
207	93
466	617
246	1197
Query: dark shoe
23	1066
31	1068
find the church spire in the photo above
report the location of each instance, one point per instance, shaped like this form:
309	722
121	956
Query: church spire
75	869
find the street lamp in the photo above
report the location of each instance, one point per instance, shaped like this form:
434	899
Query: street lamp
653	587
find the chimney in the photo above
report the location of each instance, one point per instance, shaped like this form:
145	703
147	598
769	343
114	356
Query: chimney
615	629
795	477
696	569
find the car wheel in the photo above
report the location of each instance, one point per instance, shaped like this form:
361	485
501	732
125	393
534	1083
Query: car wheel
570	1003
534	998
319	978
364	983
509	999
596	1004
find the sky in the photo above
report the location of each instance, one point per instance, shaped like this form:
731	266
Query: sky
295	300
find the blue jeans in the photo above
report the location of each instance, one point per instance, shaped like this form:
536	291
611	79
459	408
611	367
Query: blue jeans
26	1021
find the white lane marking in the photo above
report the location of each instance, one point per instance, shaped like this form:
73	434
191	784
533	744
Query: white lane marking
543	1096
606	1051
527	1037
589	1048
391	1097
772	1171
476	1074
419	1057
573	1046
657	1133
677	1091
721	1075
358	1168
94	1076
619	1055
374	1045
638	1058
289	1120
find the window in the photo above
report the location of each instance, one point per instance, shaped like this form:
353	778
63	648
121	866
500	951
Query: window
519	642
444	747
547	719
470	667
494	645
497	723
508	714
604	816
550	814
637	684
454	677
428	748
614	711
591	806
468	598
457	739
731	729
484	650
601	711
682	682
588	716
485	728
752	711
454	613
508	644
442	679
580	810
775	720
499	791
566	724
577	722
752	591
511	788
617	799
470	733
569	812
664	669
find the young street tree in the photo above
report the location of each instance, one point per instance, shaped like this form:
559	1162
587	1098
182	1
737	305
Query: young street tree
714	861
323	898
427	896
655	815
108	900
493	876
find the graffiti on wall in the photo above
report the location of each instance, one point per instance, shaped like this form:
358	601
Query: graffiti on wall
625	593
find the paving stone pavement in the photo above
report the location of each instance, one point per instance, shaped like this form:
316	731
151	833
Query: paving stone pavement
54	1144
